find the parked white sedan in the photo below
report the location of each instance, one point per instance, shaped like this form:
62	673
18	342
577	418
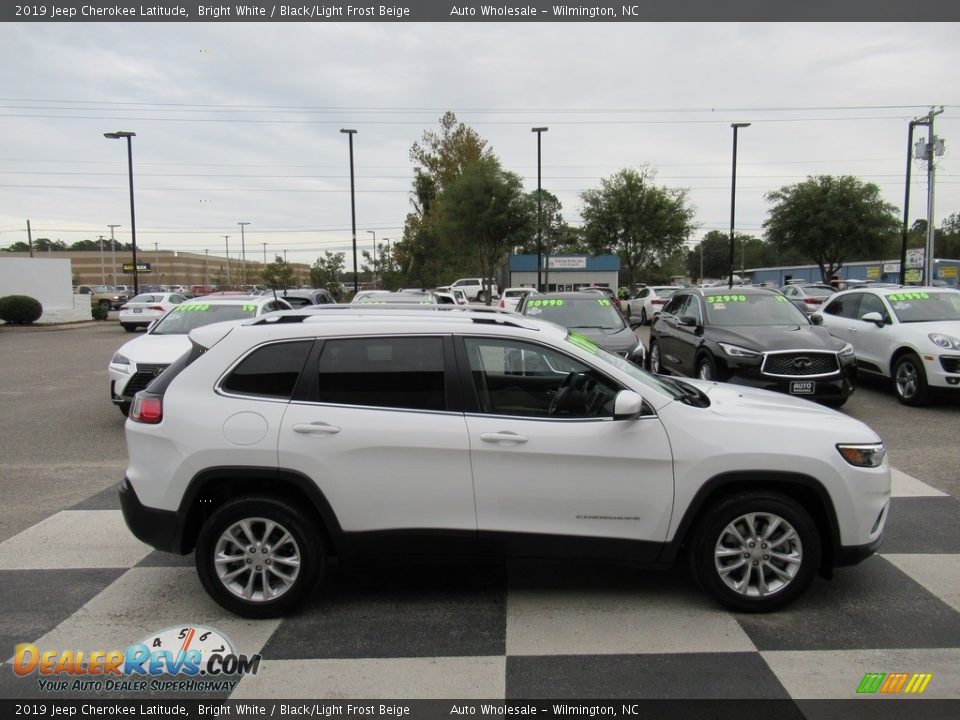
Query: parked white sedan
147	307
648	302
511	297
909	334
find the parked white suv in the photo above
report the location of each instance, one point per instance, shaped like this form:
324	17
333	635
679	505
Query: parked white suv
474	288
909	334
277	443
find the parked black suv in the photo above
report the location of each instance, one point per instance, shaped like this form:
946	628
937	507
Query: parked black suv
752	336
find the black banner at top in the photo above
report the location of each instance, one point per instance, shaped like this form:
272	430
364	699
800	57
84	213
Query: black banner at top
45	11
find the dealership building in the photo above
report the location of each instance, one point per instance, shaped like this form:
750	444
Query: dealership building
563	272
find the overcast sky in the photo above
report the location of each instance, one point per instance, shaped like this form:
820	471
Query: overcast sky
240	122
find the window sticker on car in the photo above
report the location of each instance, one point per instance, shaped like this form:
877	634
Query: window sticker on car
583	342
249	308
552	302
191	308
783	298
898	297
727	298
603	301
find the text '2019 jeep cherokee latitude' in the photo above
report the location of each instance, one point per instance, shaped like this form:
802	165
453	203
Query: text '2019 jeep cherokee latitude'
277	443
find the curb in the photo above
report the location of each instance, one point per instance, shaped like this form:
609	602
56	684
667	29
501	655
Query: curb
56	326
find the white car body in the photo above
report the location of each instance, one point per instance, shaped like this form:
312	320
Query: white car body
143	309
627	480
649	301
140	360
880	342
511	297
473	288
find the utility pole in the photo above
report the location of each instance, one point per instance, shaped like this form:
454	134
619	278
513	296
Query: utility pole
29	239
929	150
103	272
226	239
156	253
243	254
206	258
113	253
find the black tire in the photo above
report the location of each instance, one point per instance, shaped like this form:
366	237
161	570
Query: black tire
106	304
482	297
707	368
653	358
785	577
305	541
128	327
910	381
124	408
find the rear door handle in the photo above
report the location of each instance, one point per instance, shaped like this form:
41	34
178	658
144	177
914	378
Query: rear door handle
503	437
316	428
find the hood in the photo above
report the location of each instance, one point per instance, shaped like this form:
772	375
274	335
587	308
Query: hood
776	337
158	349
616	341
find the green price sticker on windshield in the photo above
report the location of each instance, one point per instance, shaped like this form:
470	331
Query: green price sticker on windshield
191	308
583	342
899	297
727	298
552	302
249	308
603	301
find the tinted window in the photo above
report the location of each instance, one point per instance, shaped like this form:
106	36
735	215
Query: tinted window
675	304
844	306
269	371
871	303
516	378
383	372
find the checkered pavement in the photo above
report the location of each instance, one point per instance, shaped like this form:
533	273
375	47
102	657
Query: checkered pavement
517	629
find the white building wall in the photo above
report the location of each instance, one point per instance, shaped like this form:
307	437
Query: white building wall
47	280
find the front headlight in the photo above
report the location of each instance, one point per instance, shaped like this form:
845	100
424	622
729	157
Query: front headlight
947	342
120	363
737	351
867	456
846	351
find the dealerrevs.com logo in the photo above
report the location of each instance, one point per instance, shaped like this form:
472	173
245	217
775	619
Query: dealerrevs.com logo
894	683
190	658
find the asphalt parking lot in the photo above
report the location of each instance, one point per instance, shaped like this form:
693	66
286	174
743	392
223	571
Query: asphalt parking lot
74	577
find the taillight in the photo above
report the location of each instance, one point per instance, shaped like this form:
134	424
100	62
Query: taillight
502	304
812	301
146	409
657	302
156	307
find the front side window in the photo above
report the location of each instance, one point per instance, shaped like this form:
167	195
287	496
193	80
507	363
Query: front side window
269	371
872	303
517	378
394	372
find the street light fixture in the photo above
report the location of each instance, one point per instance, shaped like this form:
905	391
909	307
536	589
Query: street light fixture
539	131
133	221
374	233
353	211
733	195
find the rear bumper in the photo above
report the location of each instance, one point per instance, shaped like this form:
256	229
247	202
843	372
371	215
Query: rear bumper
162	529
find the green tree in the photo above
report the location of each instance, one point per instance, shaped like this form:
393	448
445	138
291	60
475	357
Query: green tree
643	223
831	220
278	274
327	271
443	156
18	246
486	210
551	221
46	244
89	245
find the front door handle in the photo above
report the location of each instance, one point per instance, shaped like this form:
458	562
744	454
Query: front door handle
316	428
503	437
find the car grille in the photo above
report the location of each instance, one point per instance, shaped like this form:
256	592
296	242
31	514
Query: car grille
950	364
145	373
800	364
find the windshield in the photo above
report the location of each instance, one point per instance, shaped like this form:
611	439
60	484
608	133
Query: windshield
404	298
184	318
147	299
727	309
589	312
923	306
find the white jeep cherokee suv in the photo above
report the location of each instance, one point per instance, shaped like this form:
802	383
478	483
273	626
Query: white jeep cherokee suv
277	443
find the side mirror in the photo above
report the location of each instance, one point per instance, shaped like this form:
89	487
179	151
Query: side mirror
627	405
815	319
874	317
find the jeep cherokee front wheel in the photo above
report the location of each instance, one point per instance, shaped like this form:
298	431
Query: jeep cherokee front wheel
258	557
756	552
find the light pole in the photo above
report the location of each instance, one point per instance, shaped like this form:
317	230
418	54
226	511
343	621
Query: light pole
226	240
539	131
133	221
374	233
906	205
353	211
113	253
243	254
103	274
733	195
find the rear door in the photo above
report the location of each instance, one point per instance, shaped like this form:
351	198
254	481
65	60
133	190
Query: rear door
377	432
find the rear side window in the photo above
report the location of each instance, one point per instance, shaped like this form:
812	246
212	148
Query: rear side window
269	371
401	372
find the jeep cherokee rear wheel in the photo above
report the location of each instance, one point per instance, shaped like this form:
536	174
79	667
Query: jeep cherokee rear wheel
756	552
258	557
